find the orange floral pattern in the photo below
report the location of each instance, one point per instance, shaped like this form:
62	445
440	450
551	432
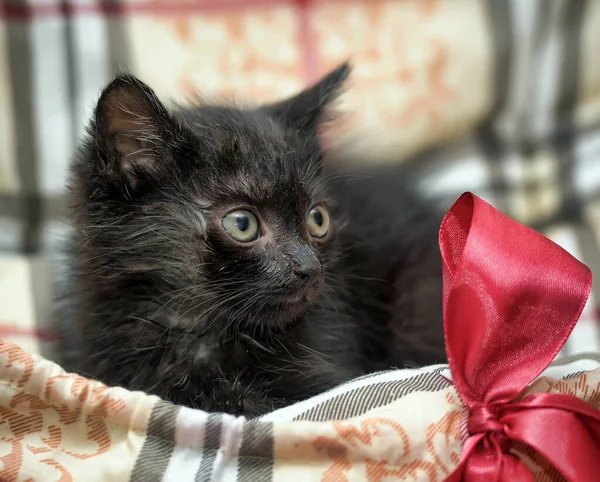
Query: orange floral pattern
418	465
409	78
415	438
384	61
53	419
222	53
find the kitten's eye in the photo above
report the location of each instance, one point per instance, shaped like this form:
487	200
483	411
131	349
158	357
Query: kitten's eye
318	222
241	225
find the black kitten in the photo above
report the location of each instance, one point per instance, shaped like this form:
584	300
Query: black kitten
217	263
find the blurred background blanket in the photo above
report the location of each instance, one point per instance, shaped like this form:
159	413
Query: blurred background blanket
500	97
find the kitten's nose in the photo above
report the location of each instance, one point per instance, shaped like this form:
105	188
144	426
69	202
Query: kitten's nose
306	265
307	272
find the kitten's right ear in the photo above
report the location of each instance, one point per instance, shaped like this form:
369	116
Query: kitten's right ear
132	130
306	110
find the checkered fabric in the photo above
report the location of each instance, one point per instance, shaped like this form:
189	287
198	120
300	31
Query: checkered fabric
501	97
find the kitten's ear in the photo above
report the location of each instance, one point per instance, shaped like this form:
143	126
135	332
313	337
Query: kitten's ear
307	109
132	128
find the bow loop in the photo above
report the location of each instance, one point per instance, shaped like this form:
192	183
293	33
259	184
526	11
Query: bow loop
511	299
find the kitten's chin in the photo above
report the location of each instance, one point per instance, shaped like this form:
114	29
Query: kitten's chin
293	299
284	315
288	309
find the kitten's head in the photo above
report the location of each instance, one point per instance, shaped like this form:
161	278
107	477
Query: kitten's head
212	215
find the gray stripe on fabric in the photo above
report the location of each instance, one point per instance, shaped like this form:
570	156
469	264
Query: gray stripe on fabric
256	453
21	76
43	291
212	442
71	41
573	375
501	28
55	206
156	452
588	245
568	91
489	141
362	399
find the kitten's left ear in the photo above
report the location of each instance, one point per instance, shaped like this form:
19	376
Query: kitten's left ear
132	131
307	109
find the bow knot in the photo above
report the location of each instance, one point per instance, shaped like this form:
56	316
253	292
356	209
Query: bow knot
484	418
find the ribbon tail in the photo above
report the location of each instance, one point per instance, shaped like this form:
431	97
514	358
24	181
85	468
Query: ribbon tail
458	474
577	456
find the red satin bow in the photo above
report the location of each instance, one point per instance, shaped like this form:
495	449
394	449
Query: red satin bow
511	299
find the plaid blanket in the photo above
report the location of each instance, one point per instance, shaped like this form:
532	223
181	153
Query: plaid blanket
500	97
398	425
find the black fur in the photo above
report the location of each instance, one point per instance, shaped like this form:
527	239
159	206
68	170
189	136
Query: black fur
161	299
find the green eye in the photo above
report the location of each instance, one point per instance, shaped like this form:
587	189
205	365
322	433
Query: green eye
241	225
318	222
